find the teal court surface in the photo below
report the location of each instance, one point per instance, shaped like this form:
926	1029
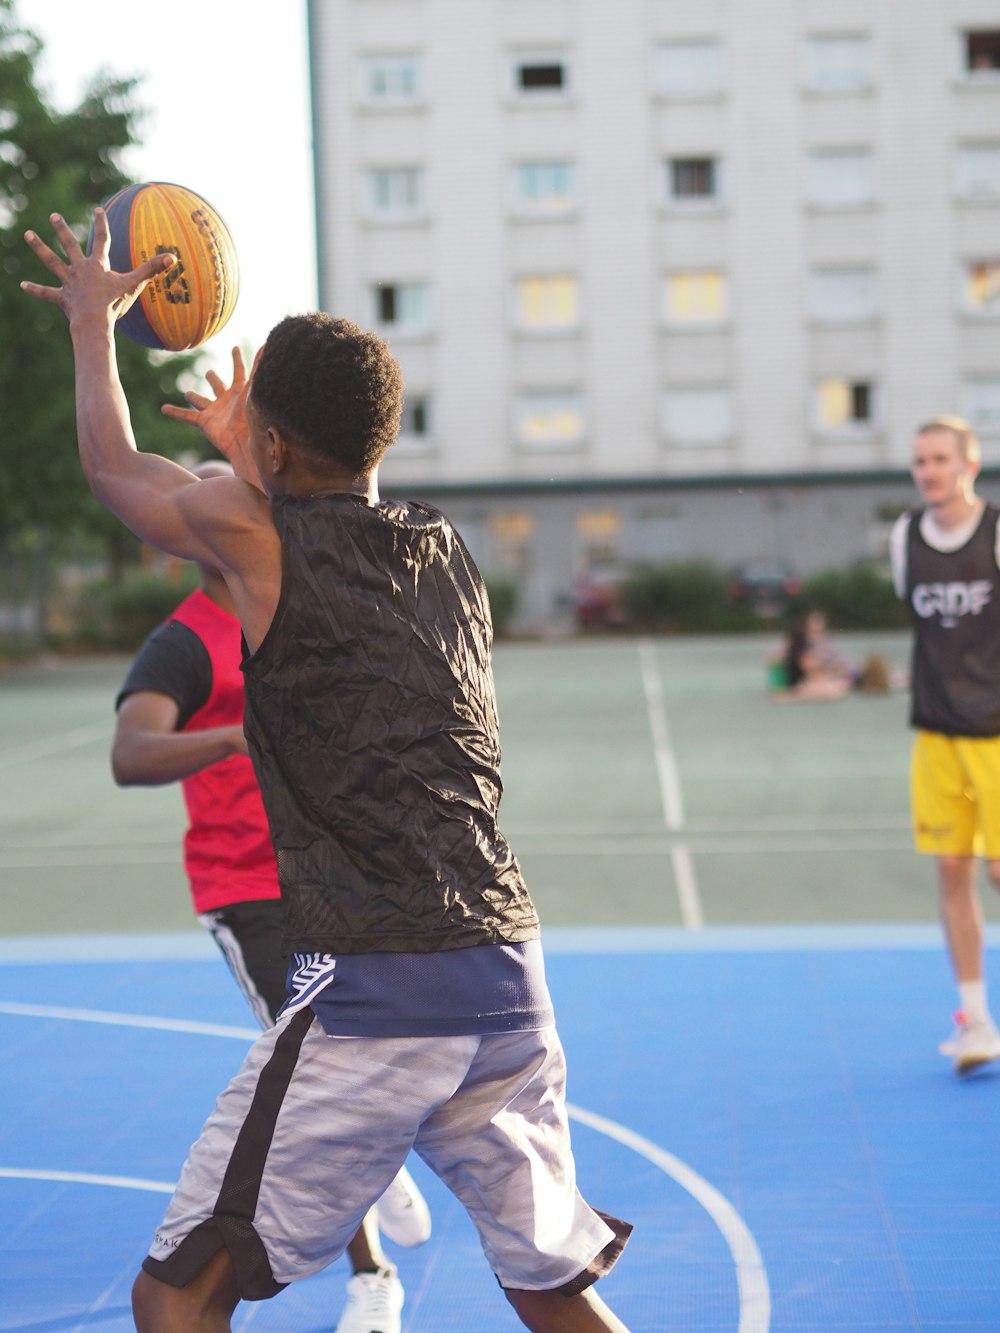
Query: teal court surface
747	973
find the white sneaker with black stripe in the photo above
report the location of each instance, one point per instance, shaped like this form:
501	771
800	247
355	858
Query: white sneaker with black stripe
374	1303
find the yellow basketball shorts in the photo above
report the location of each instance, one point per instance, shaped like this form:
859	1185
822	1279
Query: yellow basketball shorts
955	795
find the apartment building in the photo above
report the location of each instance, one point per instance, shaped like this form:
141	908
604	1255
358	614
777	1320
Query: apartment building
666	278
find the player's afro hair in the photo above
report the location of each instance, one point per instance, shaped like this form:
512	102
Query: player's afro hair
331	389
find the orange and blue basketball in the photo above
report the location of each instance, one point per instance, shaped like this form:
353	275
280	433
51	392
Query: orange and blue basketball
188	303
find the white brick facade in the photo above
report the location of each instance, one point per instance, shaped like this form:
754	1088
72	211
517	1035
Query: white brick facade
838	169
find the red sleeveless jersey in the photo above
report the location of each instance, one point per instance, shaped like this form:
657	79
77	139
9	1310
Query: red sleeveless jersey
227	848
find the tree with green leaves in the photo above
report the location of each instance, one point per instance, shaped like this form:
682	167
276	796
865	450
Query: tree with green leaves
70	162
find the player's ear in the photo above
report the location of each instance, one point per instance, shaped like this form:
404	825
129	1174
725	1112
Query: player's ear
277	450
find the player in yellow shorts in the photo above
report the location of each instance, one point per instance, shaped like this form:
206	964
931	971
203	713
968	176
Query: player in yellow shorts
945	565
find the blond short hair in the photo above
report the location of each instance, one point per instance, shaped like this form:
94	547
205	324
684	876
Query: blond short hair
968	443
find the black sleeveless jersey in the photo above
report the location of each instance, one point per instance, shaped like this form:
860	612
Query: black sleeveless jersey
371	720
954	599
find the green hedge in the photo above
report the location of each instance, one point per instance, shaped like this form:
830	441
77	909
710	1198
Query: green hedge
119	616
503	603
690	596
694	597
858	597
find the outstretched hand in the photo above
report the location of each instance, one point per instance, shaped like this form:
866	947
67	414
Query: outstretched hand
223	418
88	287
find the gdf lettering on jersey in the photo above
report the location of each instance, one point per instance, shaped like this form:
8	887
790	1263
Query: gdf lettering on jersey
950	601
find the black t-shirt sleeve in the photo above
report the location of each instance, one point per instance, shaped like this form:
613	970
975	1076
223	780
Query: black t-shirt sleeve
175	662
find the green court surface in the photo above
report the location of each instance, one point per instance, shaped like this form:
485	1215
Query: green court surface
647	783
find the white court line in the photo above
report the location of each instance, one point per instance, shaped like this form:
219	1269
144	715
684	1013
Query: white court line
671	800
129	1020
65	858
751	1276
680	849
67	740
85	1178
646	845
666	766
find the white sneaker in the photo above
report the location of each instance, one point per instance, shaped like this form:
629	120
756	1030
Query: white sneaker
374	1303
976	1042
948	1047
403	1213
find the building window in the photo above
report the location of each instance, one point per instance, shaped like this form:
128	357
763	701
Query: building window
981	287
403	307
688	68
544	187
837	62
698	415
981	51
415	422
547	303
840	177
598	534
977	169
540	76
395	80
549	420
598	525
396	192
511	540
842	295
693	179
979	402
696	298
846	404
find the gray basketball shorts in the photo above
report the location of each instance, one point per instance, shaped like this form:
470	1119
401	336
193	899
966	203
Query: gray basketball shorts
312	1130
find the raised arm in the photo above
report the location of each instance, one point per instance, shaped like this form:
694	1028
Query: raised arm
162	503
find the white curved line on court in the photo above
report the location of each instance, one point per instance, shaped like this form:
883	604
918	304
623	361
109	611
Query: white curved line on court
85	1178
129	1020
751	1276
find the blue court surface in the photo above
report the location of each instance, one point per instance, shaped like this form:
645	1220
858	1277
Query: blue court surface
767	1105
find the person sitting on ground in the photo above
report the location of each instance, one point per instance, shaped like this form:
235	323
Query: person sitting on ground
813	667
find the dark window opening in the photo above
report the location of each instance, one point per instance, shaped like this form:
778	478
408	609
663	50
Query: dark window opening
693	177
861	402
982	49
530	77
387	305
415	417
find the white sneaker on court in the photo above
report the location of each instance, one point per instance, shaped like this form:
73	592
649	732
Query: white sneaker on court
374	1303
403	1213
948	1047
975	1042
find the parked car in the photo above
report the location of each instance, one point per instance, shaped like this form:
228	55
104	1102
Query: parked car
767	587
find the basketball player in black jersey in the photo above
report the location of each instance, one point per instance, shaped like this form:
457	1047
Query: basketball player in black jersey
945	564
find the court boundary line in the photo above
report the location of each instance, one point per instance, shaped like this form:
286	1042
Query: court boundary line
753	1292
88	1178
196	946
671	799
751	1274
73	739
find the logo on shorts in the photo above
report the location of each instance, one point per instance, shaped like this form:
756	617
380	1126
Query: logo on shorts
310	972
